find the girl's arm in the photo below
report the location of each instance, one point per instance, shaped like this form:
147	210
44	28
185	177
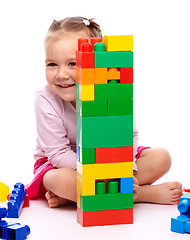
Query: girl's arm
52	135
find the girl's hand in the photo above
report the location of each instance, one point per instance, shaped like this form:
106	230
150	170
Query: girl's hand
135	187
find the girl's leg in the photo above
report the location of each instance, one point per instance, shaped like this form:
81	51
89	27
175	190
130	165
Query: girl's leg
61	186
152	165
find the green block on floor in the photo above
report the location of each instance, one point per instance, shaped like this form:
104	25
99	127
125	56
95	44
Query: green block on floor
91	108
87	156
113	59
106	131
120	107
114	91
106	202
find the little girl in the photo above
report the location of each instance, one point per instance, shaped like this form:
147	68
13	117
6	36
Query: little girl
55	154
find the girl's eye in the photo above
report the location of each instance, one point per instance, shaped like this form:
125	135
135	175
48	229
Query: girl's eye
72	64
51	64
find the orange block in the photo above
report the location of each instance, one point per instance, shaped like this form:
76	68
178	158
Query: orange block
100	75
113	74
85	76
106	217
114	154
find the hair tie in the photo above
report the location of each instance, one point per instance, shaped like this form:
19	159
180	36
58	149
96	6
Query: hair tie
86	22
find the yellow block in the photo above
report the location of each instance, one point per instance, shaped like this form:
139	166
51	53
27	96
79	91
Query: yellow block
85	187
118	43
4	190
86	92
100	76
78	199
113	74
85	76
105	170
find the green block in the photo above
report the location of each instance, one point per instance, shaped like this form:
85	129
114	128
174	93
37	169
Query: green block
113	59
106	202
91	108
77	90
114	91
113	186
87	156
120	107
100	187
106	131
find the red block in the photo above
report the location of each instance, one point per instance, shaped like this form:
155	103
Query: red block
26	201
107	217
126	75
114	154
81	41
84	55
94	40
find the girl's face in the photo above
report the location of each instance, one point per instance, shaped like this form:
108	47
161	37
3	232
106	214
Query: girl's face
61	65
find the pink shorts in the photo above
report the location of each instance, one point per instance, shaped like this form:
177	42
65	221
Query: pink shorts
36	189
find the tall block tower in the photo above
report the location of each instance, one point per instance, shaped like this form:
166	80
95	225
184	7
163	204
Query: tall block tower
104	106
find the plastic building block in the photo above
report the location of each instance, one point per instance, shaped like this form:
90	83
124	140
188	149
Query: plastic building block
94	40
97	132
105	171
107	217
105	59
85	76
118	43
92	108
100	76
120	107
114	154
26	201
16	201
180	224
113	91
113	73
17	232
85	57
126	75
106	201
113	186
4	190
87	156
80	42
86	187
86	92
187	189
100	187
12	231
126	185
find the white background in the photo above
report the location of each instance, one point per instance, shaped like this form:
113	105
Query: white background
161	100
161	74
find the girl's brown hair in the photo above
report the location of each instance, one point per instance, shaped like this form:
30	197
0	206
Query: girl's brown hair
73	24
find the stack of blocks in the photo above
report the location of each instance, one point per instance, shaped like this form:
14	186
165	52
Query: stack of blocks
104	106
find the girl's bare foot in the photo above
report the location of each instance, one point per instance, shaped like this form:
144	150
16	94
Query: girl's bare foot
165	193
54	201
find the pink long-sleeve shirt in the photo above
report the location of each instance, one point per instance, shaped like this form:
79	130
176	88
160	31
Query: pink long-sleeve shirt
56	130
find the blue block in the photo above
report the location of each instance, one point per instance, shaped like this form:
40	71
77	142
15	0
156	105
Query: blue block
17	232
3	228
3	213
184	205
126	185
78	153
181	224
16	201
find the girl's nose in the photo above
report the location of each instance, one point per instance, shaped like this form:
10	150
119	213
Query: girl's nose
62	74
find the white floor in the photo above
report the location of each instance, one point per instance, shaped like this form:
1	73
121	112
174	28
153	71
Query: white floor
150	222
